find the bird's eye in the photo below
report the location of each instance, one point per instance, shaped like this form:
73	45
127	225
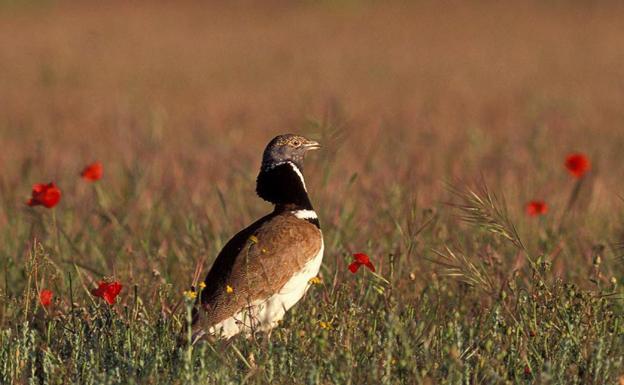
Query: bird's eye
296	143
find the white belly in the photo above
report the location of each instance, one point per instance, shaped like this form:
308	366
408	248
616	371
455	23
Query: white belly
263	315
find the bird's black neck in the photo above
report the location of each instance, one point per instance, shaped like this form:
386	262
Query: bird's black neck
283	185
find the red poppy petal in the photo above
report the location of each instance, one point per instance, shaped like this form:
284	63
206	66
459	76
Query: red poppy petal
577	164
114	288
45	297
370	266
535	208
354	266
361	258
93	172
99	292
38	187
52	197
108	291
47	195
108	297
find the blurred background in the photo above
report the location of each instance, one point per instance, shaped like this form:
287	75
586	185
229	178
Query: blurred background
178	101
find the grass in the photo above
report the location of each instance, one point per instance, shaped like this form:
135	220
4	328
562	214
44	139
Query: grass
439	122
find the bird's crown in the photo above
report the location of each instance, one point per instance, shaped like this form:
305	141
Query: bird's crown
287	148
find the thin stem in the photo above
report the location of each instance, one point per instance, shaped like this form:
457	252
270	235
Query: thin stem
56	233
574	194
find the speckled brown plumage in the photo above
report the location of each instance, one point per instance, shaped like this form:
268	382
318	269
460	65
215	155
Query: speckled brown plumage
256	263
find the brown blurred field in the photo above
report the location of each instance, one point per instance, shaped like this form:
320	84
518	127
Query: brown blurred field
406	96
424	92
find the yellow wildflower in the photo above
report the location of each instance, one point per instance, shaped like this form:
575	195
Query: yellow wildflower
325	325
229	289
189	294
202	285
314	281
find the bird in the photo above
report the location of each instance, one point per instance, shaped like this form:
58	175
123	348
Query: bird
266	268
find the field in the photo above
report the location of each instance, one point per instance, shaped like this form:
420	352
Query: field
440	121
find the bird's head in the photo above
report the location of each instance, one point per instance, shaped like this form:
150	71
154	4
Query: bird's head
287	148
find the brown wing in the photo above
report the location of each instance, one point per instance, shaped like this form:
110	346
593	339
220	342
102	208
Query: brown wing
262	258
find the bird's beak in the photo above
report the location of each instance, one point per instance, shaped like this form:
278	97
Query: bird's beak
311	145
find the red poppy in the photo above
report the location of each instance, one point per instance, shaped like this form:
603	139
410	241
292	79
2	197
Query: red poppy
360	259
45	297
577	165
108	291
92	172
47	195
535	208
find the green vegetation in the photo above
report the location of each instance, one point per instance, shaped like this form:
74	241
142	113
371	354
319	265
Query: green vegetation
486	316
